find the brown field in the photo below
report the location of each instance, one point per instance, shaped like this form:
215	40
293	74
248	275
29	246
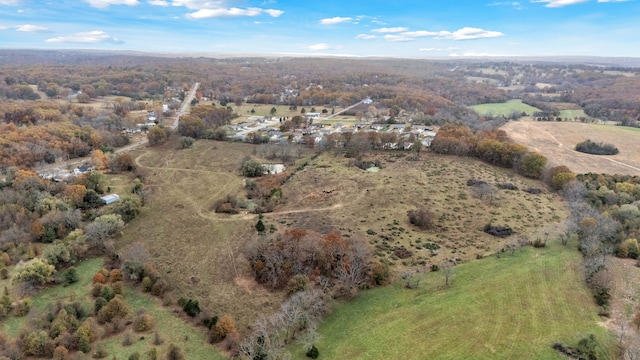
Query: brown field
201	252
556	141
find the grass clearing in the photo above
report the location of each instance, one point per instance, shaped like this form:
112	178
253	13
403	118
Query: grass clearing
49	296
172	329
507	308
504	109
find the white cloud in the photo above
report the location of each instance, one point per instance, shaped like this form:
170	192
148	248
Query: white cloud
232	12
515	4
397	38
318	47
218	8
335	20
390	30
558	3
10	2
469	33
466	33
3	27
158	2
478	54
421	33
366	36
90	37
31	28
430	49
103	4
273	12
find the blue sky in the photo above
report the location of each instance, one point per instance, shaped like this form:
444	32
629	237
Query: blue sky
402	28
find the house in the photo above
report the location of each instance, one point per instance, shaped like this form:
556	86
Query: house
85	168
110	199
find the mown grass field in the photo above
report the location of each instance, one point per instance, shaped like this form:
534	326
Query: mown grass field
557	141
513	307
504	109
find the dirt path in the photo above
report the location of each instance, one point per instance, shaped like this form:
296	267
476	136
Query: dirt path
238	217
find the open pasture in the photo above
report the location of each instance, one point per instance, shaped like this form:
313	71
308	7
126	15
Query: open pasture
557	141
504	109
512	307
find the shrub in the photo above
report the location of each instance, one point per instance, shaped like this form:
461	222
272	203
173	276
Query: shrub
380	273
531	165
22	308
107	293
421	217
594	148
98	278
498	231
210	322
99	304
127	339
143	322
115	309
186	142
191	307
71	276
313	352
223	327
100	352
252	168
174	353
60	353
297	283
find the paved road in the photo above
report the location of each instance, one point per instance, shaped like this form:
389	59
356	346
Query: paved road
343	110
78	161
185	105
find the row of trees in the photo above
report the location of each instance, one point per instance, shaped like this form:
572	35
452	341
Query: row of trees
492	146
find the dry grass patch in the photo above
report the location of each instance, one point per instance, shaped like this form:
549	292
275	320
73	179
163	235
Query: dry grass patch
557	140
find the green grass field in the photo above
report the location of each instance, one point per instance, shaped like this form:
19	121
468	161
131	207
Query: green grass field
504	109
514	307
173	329
49	296
571	114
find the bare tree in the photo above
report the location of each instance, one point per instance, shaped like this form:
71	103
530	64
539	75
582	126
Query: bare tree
447	268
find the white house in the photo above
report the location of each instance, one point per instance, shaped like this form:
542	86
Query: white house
110	199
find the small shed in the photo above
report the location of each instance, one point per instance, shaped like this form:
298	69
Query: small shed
110	199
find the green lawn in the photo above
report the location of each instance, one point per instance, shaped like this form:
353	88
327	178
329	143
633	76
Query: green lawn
504	109
514	307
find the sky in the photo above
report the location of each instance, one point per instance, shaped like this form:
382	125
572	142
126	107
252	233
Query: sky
399	28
